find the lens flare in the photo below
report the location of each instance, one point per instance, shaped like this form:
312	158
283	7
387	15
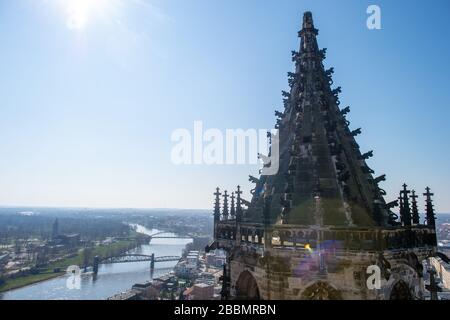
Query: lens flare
80	12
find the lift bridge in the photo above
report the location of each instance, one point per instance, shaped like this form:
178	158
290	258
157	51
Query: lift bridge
132	257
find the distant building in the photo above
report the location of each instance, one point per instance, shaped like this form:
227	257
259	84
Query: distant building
185	271
203	291
207	278
192	259
4	259
127	295
147	290
68	240
216	259
55	229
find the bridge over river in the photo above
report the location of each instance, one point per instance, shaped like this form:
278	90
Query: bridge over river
161	235
133	257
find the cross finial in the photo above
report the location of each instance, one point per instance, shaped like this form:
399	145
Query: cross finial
405	191
415	210
431	218
405	211
225	205
238	204
239	192
217	204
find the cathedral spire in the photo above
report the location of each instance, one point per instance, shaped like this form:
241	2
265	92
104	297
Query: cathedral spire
431	218
225	206
318	151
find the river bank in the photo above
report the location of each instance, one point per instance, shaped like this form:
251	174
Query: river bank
111	278
48	272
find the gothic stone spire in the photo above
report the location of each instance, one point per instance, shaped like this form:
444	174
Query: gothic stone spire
318	150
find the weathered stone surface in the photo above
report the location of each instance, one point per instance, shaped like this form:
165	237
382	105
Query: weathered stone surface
322	220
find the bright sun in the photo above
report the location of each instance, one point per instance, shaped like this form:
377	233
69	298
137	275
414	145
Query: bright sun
80	12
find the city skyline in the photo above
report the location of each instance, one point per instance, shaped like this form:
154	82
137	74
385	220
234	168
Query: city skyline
86	120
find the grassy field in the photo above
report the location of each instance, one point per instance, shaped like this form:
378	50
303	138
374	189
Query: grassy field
48	271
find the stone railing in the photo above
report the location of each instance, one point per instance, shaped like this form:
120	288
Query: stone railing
293	236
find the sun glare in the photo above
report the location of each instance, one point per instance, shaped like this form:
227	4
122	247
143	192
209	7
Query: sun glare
80	12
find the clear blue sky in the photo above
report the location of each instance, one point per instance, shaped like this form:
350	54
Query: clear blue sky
88	100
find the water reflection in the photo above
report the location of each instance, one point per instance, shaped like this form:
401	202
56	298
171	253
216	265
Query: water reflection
111	278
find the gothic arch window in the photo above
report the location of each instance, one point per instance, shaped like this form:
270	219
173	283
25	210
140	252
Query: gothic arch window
246	287
401	291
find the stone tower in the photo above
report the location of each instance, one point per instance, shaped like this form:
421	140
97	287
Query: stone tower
319	227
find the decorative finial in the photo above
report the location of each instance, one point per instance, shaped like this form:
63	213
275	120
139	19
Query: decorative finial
238	204
233	208
415	210
405	211
217	205
308	22
431	218
225	206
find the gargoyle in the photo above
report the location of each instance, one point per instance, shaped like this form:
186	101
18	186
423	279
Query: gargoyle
366	155
252	179
292	77
336	91
279	114
379	179
345	111
392	204
356	132
323	53
295	55
286	94
329	72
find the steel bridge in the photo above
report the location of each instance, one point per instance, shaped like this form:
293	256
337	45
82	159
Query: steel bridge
160	235
126	258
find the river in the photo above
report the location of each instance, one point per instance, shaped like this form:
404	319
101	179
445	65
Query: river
111	279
